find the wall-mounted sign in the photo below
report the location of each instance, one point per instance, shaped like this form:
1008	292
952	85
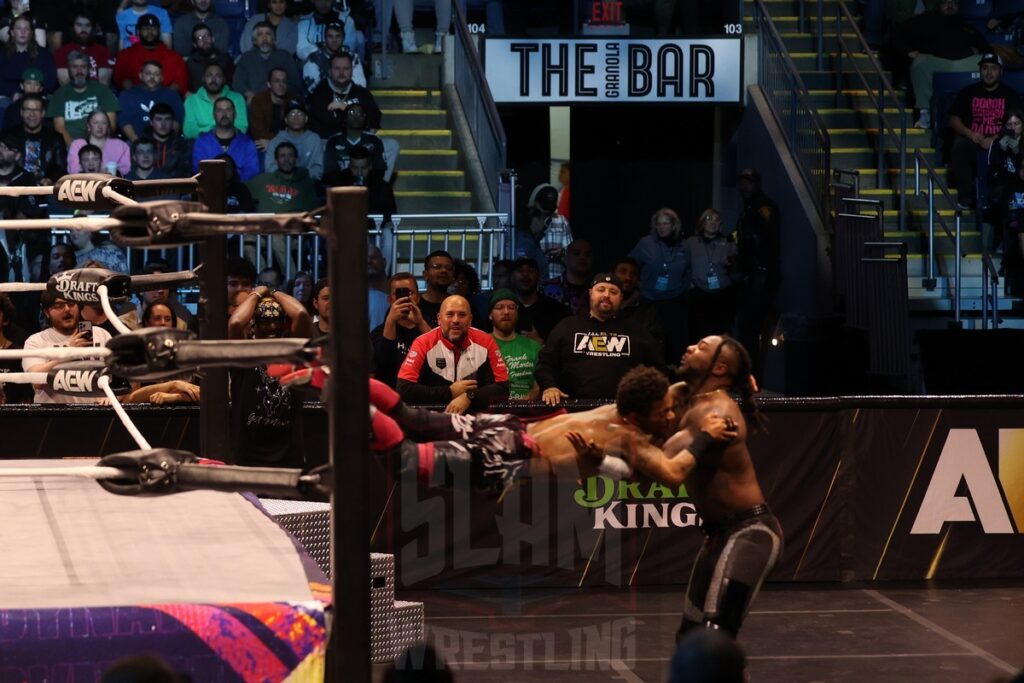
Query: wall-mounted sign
614	70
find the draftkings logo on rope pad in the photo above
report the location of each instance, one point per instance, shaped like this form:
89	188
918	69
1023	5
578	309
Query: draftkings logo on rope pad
634	505
964	488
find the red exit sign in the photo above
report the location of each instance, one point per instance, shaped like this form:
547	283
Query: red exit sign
606	12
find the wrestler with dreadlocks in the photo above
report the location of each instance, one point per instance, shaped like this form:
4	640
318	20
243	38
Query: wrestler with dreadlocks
743	538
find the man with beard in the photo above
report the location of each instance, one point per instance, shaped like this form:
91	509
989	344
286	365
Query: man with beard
438	274
137	103
586	354
129	17
43	153
266	418
101	63
71	105
63	331
538	313
227	139
316	67
202	13
205	51
131	61
199	106
329	100
254	66
520	352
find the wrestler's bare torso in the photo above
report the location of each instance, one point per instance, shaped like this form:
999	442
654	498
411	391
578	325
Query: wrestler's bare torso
732	485
604	426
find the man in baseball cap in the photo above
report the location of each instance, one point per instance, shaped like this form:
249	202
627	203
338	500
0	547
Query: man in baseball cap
520	352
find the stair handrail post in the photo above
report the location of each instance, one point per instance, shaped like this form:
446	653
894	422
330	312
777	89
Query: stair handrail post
821	35
903	171
995	300
917	177
841	48
931	228
956	273
984	293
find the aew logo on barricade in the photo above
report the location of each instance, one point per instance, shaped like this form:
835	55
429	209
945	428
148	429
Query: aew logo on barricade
608	497
963	460
601	344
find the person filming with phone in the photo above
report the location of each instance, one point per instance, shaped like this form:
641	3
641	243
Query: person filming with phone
404	322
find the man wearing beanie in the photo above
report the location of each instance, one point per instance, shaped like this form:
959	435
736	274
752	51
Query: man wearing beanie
519	352
587	354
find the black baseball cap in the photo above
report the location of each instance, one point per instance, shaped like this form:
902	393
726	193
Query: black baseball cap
606	278
147	20
525	261
295	104
991	58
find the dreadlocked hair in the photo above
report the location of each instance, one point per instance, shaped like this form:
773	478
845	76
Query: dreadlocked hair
741	383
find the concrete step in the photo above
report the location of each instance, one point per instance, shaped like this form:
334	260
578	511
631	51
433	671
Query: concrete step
867	157
824	80
428	160
853	98
859	117
408	98
808	61
404	119
869	176
430	181
861	137
917	241
420	138
808	42
433	202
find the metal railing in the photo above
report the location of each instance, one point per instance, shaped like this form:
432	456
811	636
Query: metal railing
885	94
888	322
477	103
805	134
935	182
989	287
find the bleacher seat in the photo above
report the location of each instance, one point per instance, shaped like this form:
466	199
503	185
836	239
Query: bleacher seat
1014	79
945	86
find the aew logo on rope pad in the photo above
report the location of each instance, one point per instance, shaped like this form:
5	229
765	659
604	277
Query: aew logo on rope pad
601	344
963	460
85	190
613	508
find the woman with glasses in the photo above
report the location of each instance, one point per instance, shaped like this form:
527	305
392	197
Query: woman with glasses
713	267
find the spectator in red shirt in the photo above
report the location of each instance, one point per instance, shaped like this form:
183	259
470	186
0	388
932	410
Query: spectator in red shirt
150	48
101	64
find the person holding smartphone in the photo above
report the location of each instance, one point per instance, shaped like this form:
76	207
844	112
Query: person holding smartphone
404	322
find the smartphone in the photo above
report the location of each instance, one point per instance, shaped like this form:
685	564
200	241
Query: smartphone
403	293
85	328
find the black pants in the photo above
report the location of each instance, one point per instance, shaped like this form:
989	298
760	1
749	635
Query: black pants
729	570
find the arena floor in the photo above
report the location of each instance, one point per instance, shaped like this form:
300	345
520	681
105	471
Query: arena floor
806	633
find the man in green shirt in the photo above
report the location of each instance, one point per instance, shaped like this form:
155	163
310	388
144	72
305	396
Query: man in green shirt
519	352
71	105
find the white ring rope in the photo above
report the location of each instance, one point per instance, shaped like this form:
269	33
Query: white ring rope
88	224
22	286
96	472
104	384
23	378
57	352
115	196
108	311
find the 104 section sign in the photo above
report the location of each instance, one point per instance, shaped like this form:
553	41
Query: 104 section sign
615	70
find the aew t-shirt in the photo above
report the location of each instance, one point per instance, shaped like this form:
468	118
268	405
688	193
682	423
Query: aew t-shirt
983	111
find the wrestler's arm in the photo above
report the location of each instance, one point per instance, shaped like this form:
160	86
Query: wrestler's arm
672	463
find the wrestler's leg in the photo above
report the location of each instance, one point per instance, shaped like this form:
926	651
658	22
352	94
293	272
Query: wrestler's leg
696	590
749	555
419	424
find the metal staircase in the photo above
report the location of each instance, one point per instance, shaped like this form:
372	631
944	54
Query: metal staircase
835	71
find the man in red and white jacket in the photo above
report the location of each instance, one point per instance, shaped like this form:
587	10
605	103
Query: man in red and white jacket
454	363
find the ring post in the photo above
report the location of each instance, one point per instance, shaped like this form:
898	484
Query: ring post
213	317
348	400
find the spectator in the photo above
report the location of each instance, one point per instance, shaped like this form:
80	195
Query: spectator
976	118
285	31
93	246
376	269
269	109
713	263
519	352
90	160
227	139
547	235
159	314
31	84
501	274
101	63
1006	197
117	157
137	102
301	287
308	143
330	99
71	105
239	198
94	315
466	283
311	28
404	322
42	150
665	276
760	265
173	150
253	68
338	148
128	18
270	277
61	257
321	302
144	162
587	354
199	106
403	10
21	52
360	173
538	313
15	9
570	288
12	337
286	190
202	14
204	53
131	61
937	40
563	194
241	274
454	364
636	307
63	317
266	418
438	273
18	249
12	174
317	65
181	317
